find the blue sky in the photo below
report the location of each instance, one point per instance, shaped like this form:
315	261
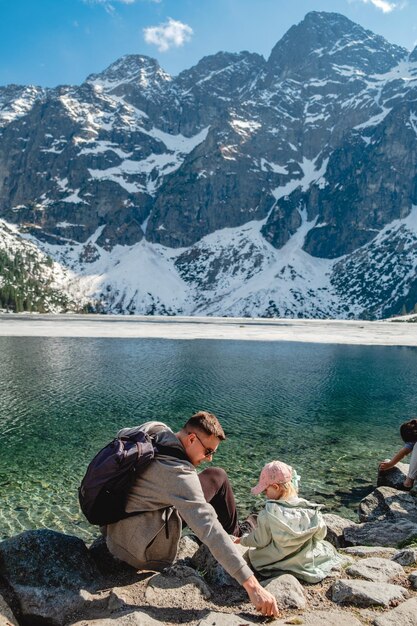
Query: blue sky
51	42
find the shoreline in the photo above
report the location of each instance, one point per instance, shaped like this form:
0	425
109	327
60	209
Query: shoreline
348	332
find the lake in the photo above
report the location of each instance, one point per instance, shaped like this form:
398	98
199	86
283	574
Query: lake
332	411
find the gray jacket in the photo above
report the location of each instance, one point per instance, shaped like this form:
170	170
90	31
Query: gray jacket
166	489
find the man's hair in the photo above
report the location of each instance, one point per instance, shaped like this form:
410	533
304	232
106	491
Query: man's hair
408	431
205	422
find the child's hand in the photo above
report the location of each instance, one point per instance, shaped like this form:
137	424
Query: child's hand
235	539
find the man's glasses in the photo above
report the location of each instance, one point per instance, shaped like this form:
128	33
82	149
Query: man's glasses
207	451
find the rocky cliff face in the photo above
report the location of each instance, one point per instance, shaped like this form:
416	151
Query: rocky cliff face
243	186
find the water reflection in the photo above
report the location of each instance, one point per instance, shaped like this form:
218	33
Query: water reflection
332	411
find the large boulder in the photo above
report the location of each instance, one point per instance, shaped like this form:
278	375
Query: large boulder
381	533
51	559
288	592
363	593
387	503
393	477
335	529
53	607
403	615
376	570
58	570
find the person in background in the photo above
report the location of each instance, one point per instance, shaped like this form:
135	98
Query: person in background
169	494
408	432
290	533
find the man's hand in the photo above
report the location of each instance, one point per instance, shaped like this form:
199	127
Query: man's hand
262	600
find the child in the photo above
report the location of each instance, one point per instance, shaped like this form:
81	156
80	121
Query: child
290	532
408	432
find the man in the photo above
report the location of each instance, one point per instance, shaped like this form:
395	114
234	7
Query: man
169	493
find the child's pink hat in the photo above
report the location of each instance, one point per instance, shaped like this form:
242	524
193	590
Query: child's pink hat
273	472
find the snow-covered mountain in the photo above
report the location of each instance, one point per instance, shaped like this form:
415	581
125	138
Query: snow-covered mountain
243	186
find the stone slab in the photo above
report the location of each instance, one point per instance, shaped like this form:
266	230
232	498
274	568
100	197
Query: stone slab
376	570
403	615
363	593
137	618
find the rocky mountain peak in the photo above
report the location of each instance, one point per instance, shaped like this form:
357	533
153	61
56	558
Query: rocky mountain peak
136	69
222	60
17	100
322	39
221	72
413	55
276	188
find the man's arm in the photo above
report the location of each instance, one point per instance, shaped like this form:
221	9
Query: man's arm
386	465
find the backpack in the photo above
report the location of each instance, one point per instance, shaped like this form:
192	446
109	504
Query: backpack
110	475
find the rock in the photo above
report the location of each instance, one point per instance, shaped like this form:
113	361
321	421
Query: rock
407	556
323	618
225	619
309	618
364	593
393	477
382	533
177	586
137	618
367	550
6	615
376	570
57	566
413	579
344	562
335	527
214	573
51	559
106	562
387	503
51	606
403	615
287	590
187	547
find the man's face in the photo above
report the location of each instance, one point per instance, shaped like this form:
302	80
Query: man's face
201	447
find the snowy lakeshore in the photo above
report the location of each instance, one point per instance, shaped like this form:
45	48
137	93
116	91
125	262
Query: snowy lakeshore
383	333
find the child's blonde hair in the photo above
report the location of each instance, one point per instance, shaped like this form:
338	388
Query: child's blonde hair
289	490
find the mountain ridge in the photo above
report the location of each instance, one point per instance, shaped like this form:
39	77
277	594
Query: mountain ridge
254	184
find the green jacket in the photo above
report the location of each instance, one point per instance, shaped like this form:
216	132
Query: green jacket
290	538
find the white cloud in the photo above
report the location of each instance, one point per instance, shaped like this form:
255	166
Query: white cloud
170	34
385	5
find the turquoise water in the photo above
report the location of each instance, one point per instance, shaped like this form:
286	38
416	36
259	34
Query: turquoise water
331	411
